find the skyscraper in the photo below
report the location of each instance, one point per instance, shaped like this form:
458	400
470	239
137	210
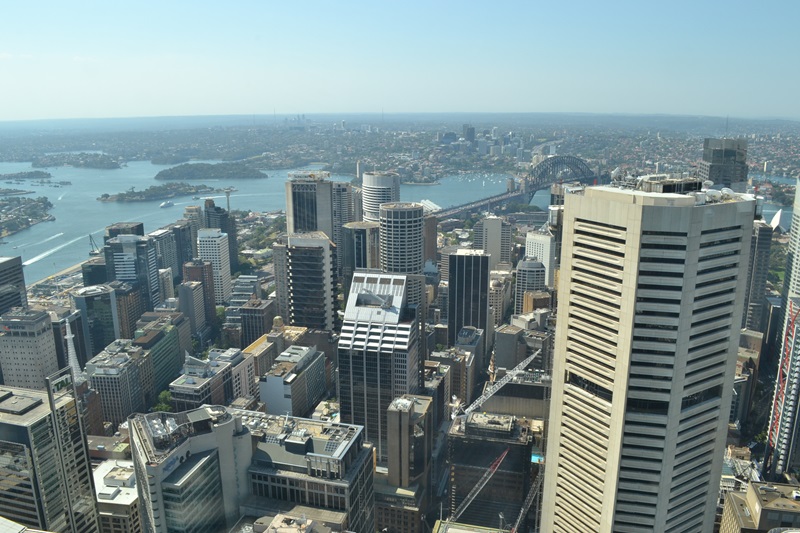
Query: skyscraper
493	235
166	250
194	214
725	163
360	249
314	203
133	258
12	284
45	472
469	294
305	280
217	217
650	305
98	305
212	246
758	267
379	356
541	245
531	277
202	271
378	188
27	348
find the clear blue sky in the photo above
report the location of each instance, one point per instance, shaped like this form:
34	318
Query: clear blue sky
116	59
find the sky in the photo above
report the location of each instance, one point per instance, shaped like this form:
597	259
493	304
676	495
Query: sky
172	58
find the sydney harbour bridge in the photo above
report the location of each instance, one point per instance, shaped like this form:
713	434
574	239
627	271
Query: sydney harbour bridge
560	168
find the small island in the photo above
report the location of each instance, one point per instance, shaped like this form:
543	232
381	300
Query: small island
157	192
79	160
30	175
207	171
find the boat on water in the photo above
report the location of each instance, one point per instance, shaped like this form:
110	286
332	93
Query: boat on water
195	197
168	203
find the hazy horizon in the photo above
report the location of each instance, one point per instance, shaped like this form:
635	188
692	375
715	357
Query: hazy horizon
184	59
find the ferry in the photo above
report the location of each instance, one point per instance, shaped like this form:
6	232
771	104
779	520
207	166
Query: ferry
168	203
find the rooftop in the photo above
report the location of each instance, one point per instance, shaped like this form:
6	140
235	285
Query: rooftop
115	482
23	407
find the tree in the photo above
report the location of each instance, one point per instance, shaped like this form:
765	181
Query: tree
164	402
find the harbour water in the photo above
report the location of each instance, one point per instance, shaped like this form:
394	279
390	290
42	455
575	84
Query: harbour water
50	247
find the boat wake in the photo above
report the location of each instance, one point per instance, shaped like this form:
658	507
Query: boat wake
49	252
56	236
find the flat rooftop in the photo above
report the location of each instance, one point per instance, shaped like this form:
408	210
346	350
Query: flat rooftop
23	407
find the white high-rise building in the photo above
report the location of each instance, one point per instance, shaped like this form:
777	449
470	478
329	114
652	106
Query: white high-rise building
541	245
27	348
212	246
402	237
378	188
531	277
650	306
493	235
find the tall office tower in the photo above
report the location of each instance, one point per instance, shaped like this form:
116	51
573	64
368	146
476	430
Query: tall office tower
356	204
98	306
314	203
70	345
541	245
430	238
755	299
191	303
46	472
378	188
123	228
402	242
202	465
305	280
469	293
182	230
493	235
217	217
360	249
444	260
130	306
531	277
194	214
212	246
166	249
165	284
93	271
403	494
27	348
500	283
379	356
12	284
202	271
256	316
473	443
725	163
133	258
651	295
123	376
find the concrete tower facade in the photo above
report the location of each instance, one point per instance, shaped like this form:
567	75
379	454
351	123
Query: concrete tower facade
27	348
305	279
212	246
650	306
378	188
531	277
493	235
379	356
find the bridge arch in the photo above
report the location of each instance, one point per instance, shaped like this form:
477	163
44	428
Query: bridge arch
561	168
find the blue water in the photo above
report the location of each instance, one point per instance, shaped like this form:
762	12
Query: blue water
50	247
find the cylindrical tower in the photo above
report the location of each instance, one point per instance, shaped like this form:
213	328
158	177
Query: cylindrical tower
378	188
401	237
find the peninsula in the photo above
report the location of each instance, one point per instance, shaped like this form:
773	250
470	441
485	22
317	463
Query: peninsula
207	171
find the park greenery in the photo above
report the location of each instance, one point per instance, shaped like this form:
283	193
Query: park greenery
156	192
208	171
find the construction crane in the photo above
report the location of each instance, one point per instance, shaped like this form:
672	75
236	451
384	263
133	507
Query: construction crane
488	393
478	487
535	488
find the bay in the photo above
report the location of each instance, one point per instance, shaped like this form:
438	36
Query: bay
50	247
